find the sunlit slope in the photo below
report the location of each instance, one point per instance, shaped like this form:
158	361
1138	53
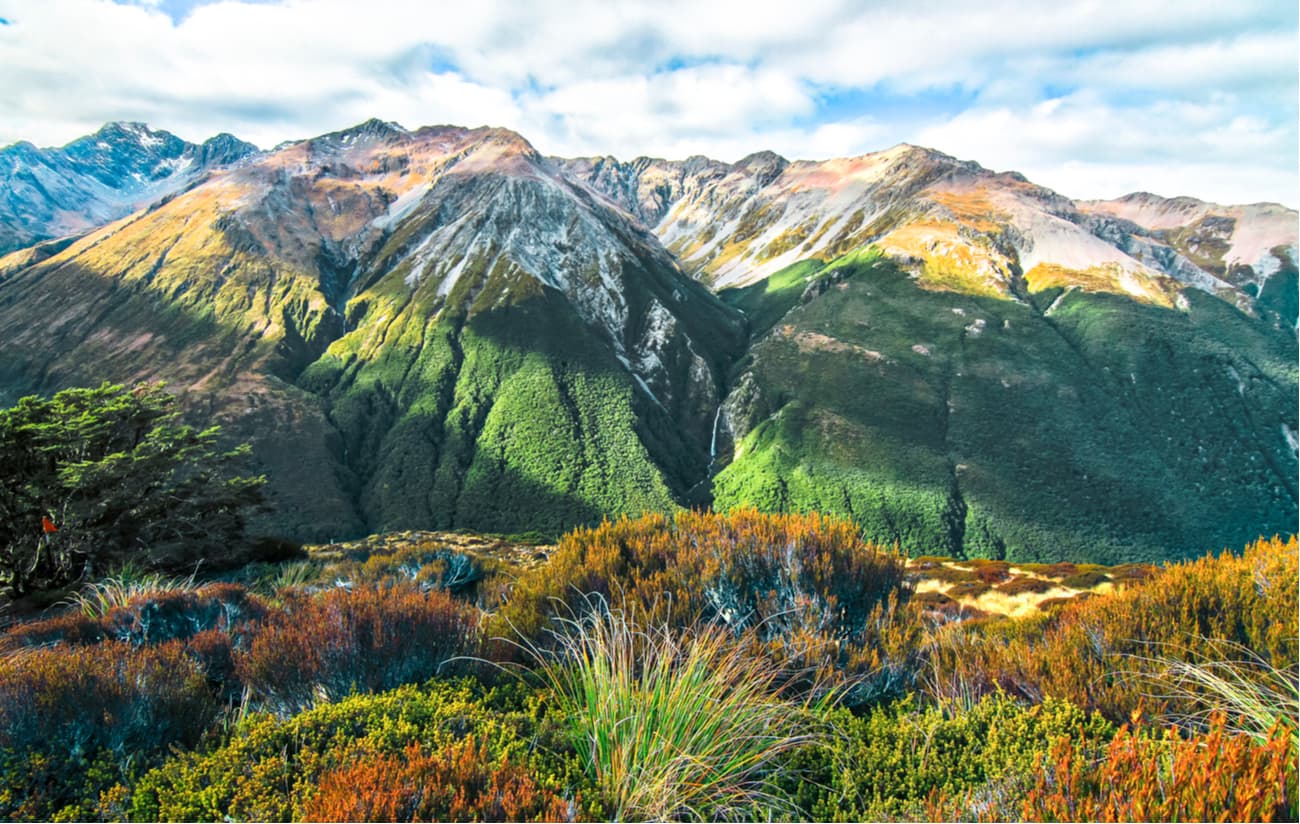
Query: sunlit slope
961	227
1071	425
412	327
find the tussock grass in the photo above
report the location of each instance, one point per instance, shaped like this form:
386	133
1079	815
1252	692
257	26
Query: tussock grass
673	725
129	585
1254	696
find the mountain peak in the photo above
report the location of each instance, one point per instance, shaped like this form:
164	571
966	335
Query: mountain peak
372	129
766	165
504	137
224	149
132	130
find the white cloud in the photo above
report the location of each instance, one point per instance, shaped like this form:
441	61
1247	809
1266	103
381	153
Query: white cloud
1078	93
1084	147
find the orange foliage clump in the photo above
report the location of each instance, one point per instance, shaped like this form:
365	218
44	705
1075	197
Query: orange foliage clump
457	783
1109	652
814	594
1215	776
61	707
368	638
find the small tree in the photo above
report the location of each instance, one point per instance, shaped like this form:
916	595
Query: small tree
95	476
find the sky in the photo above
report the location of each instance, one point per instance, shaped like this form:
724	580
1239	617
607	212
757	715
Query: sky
1093	98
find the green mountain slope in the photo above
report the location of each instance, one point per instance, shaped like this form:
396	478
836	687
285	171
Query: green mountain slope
1068	425
412	328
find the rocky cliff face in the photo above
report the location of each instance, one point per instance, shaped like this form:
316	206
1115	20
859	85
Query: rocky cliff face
956	225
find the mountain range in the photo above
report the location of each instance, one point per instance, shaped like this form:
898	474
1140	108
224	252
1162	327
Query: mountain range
443	328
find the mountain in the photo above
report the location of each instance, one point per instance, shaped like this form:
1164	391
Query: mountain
1251	247
50	193
1009	373
443	328
961	225
413	328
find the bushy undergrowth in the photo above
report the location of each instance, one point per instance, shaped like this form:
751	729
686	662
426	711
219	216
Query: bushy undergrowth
1112	653
75	719
809	593
363	639
1213	776
456	783
272	770
892	760
149	616
700	680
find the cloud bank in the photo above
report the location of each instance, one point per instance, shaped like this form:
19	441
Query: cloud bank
1094	99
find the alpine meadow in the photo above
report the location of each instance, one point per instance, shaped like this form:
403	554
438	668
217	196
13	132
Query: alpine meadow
433	474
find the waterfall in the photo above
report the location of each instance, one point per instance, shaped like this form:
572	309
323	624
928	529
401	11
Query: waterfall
713	444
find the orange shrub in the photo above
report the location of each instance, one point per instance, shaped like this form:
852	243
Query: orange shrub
65	711
990	572
1103	652
173	615
815	595
459	782
368	638
1215	776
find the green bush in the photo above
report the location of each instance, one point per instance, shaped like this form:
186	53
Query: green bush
94	477
889	762
270	769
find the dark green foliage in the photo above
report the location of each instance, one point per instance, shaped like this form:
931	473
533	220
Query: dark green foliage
1280	296
1107	429
766	302
515	415
119	477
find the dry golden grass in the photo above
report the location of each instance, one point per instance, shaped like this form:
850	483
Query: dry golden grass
972	208
951	263
1106	278
933	575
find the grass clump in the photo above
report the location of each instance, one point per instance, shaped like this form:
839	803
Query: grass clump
1246	693
129	585
805	591
673	726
